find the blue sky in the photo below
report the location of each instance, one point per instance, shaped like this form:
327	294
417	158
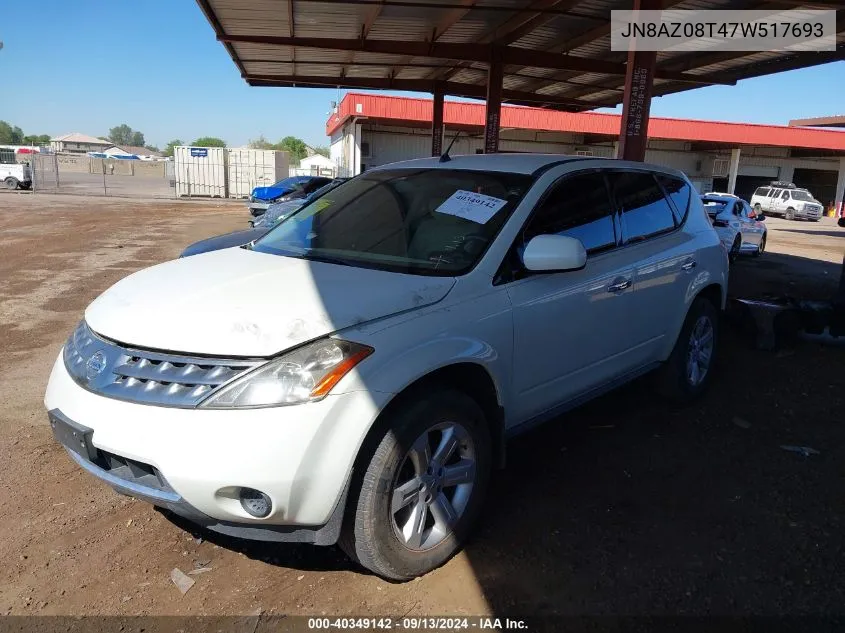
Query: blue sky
156	66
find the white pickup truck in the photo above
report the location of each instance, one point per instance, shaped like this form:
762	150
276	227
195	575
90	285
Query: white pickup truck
14	175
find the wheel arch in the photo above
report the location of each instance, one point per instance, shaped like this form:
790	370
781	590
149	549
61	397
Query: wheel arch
471	378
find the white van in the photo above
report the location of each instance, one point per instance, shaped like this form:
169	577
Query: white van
784	198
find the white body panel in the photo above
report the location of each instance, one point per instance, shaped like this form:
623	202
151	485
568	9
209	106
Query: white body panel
544	340
201	172
250	168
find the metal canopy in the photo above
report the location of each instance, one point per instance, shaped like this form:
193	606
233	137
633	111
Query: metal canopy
555	53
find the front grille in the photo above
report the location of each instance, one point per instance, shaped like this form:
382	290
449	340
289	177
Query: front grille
143	376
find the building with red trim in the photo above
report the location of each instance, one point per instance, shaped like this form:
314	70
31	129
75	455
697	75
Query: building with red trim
369	130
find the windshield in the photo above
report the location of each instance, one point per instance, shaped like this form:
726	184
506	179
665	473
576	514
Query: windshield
419	221
294	182
797	194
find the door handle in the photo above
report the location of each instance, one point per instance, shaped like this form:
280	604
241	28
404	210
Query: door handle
619	286
689	265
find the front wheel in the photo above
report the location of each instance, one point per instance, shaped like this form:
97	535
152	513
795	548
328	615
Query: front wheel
790	213
11	182
688	370
423	487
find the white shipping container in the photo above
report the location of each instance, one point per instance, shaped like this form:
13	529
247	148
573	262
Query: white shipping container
250	168
200	171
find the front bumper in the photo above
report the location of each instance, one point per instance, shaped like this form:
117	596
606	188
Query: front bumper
258	208
300	456
805	214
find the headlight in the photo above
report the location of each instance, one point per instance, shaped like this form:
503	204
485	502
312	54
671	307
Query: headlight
304	375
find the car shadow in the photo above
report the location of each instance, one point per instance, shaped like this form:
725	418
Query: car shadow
833	233
305	557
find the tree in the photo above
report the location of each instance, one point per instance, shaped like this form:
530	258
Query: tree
168	150
121	135
36	139
323	151
10	135
209	141
294	146
137	139
153	148
261	143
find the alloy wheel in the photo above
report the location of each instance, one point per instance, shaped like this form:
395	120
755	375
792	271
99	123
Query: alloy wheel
433	486
700	350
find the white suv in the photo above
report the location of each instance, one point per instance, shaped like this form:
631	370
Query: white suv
787	200
353	375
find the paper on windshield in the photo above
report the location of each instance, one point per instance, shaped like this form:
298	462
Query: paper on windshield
475	207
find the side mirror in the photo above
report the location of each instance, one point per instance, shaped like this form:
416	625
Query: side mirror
554	253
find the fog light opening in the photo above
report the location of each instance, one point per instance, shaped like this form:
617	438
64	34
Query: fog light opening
255	502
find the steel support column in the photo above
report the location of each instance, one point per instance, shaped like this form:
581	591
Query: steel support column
492	120
733	169
636	100
437	121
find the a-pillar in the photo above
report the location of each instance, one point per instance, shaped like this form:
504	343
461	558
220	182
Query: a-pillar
733	169
636	100
493	116
437	121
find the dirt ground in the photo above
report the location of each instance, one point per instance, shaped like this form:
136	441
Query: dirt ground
624	507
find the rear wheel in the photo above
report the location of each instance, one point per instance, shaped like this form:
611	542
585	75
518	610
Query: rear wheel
733	254
687	372
11	182
423	487
761	247
790	213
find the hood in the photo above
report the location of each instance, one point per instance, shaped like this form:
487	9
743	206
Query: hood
238	302
227	240
271	193
278	210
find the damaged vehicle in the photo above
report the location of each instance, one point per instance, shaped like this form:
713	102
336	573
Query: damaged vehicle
740	228
352	376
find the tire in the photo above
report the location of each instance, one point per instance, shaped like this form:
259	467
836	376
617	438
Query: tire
11	182
733	254
790	213
761	248
379	530
674	379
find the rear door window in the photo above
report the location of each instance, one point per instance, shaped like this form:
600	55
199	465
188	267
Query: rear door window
645	211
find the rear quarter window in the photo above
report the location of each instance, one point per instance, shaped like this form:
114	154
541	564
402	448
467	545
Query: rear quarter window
679	192
762	191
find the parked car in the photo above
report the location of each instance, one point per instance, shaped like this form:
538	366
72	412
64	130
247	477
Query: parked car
291	188
278	211
784	198
227	240
354	374
740	229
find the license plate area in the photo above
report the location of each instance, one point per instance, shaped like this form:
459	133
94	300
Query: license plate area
73	436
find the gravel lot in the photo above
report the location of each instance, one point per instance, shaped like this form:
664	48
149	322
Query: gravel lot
624	507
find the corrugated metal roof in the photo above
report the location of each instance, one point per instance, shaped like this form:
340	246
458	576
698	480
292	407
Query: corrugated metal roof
547	27
408	110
